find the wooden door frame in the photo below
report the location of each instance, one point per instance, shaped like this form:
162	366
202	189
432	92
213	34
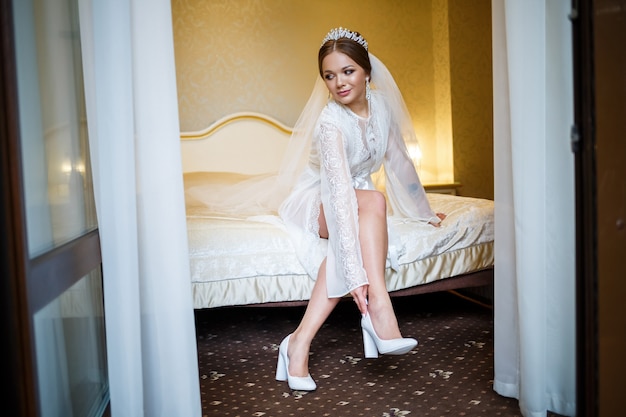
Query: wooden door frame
26	284
601	182
20	396
586	263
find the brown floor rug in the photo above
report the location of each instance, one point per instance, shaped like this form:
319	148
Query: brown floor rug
449	373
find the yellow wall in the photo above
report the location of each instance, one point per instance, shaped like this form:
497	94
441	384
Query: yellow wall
472	96
261	55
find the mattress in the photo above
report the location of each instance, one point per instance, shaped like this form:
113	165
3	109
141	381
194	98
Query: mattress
251	261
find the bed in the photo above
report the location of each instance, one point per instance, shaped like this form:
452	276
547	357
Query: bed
251	262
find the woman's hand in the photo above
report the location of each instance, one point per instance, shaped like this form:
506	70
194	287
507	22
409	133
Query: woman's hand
360	297
441	217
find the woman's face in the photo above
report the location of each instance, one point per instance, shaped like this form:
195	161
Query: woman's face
345	80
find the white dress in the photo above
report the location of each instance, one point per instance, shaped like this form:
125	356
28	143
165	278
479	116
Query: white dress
345	151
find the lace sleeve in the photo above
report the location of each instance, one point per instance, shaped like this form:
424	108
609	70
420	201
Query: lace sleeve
404	188
341	211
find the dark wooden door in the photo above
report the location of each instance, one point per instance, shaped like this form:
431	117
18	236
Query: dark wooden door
600	145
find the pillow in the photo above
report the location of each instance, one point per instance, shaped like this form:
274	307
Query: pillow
192	179
208	179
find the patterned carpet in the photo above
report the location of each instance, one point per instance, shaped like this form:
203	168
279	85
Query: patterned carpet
449	373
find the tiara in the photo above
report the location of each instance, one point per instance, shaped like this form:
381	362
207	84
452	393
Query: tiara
340	32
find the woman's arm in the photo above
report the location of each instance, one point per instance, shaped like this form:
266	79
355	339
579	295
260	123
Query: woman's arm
341	212
404	188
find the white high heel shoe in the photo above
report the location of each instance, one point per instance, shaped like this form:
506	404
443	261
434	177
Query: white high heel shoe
296	383
373	344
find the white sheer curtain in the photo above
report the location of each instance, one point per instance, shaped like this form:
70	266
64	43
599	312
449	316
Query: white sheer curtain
133	127
534	198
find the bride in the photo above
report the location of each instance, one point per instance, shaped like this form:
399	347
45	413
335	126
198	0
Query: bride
354	123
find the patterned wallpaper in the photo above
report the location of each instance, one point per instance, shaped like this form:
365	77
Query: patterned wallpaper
472	96
261	55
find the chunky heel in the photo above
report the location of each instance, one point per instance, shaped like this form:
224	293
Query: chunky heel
281	369
296	383
372	344
369	345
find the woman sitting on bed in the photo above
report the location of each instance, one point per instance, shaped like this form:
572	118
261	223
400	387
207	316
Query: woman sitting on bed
334	214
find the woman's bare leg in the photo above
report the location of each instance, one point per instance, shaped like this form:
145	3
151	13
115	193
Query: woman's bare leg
374	241
317	311
373	237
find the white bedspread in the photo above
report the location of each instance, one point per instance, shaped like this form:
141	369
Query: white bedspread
237	262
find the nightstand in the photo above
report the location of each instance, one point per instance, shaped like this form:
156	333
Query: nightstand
443	188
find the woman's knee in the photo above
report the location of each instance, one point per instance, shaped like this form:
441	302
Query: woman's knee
372	201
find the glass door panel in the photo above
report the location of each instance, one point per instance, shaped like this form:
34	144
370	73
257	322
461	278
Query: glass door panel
57	186
65	299
72	368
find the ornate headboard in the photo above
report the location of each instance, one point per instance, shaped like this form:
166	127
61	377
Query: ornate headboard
246	143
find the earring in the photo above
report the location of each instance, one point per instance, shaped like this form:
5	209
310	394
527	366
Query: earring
368	91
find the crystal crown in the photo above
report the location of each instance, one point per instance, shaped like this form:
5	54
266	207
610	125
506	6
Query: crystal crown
340	32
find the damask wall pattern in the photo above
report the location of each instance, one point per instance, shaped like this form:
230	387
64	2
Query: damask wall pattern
472	96
261	55
442	100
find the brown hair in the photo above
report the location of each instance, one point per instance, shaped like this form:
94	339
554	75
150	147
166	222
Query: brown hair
353	49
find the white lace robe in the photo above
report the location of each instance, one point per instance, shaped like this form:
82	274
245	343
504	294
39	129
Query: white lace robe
346	150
